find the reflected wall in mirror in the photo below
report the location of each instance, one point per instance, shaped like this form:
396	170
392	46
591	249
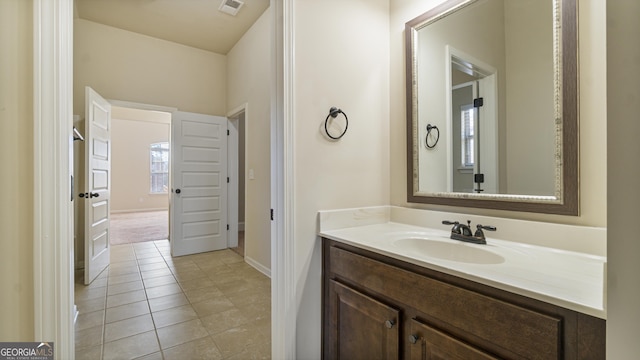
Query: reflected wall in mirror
498	78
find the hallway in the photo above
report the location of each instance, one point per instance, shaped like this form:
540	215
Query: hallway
148	305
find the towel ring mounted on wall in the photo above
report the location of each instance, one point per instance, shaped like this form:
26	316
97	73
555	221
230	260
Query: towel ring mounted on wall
426	138
333	113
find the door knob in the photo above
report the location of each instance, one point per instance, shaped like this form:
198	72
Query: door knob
92	195
178	191
89	195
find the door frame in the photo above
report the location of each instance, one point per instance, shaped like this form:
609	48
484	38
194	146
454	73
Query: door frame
233	166
53	151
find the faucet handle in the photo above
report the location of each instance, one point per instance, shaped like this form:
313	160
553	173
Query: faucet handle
479	234
447	222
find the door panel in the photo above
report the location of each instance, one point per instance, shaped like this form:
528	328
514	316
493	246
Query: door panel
428	343
199	183
350	312
97	184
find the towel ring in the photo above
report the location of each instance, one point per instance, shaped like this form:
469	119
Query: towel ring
333	113
426	138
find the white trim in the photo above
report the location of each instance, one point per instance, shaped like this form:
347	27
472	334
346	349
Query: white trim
233	188
141	106
255	264
53	210
283	282
238	110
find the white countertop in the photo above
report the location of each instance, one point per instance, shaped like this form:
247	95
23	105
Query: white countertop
569	279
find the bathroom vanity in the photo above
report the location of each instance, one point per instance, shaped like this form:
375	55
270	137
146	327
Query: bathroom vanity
387	298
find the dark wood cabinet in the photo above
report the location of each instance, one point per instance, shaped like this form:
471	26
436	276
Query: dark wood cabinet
376	307
351	312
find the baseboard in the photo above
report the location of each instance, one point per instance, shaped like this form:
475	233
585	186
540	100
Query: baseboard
256	265
75	313
80	265
137	210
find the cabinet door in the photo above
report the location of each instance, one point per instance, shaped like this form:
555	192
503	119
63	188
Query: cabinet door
428	343
361	327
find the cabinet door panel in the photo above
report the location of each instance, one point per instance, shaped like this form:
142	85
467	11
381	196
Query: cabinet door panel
432	344
361	327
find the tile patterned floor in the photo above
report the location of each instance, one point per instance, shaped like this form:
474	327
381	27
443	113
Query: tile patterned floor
148	305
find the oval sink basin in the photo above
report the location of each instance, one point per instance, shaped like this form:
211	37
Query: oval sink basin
460	252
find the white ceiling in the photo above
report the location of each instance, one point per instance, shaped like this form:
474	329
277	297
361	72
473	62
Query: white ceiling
196	23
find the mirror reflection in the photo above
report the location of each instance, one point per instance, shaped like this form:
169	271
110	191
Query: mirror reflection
487	78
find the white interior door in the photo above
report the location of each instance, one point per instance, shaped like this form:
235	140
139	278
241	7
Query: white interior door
199	183
488	134
97	184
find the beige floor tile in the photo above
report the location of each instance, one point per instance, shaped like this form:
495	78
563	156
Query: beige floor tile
89	337
132	347
125	270
160	280
212	306
127	311
86	306
253	352
96	283
154	356
173	316
153	266
196	283
201	294
148	255
238	339
183	266
181	333
124	278
125	298
89	320
201	349
90	293
89	353
152	260
121	264
182	275
222	321
163	290
128	327
155	273
256	311
249	296
166	302
120	288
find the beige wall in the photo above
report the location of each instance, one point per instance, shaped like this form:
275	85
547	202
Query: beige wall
249	82
592	45
123	65
623	147
130	164
341	59
16	177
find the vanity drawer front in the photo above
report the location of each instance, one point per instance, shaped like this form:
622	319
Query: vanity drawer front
525	333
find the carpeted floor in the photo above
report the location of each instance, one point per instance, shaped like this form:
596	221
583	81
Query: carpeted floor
139	227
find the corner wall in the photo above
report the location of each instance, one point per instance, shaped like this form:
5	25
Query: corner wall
123	65
623	147
16	177
341	55
249	82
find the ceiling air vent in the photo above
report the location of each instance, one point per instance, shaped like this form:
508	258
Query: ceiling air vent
231	7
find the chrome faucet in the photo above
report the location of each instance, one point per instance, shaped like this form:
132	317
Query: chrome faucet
463	232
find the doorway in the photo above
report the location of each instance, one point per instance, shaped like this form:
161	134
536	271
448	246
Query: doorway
237	183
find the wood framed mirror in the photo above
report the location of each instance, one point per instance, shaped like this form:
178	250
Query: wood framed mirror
492	105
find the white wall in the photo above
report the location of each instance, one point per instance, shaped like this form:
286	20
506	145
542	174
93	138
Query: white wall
249	82
16	176
592	58
130	163
341	56
623	147
122	65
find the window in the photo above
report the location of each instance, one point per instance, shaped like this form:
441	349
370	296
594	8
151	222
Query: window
159	168
467	133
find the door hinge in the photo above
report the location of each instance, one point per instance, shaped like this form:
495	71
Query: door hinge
227	179
227	227
228	133
478	102
271	211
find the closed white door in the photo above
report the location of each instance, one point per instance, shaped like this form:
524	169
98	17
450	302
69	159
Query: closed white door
199	183
97	184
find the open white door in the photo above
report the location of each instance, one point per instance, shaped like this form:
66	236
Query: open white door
97	184
487	130
199	183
